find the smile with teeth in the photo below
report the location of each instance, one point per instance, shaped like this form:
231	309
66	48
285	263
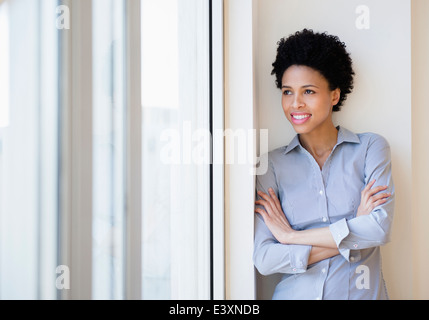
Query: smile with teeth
301	116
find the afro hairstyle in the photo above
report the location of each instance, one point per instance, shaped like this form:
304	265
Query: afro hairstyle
319	51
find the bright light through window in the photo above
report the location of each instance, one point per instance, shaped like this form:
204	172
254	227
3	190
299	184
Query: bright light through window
4	66
109	149
176	197
160	54
29	150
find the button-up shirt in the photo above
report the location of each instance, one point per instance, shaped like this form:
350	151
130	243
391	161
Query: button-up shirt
312	197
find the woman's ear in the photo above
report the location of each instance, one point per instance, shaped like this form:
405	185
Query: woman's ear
336	96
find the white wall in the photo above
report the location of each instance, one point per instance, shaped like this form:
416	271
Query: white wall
381	101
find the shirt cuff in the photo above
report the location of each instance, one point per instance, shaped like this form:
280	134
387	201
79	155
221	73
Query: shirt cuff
299	255
339	231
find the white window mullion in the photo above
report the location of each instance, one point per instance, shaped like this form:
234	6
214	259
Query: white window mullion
48	164
239	117
218	221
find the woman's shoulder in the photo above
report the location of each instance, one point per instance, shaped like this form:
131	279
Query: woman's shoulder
373	139
274	155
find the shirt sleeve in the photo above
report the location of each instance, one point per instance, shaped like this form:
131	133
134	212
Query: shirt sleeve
374	229
269	255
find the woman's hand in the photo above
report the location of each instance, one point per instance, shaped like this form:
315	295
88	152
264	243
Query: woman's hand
273	215
371	198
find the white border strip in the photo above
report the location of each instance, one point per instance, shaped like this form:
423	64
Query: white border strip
218	152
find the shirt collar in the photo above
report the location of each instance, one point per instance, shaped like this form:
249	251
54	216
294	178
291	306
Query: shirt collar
344	135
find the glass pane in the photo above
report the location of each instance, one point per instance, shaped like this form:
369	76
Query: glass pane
176	148
109	149
28	149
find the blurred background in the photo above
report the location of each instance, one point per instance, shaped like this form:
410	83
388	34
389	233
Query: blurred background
69	155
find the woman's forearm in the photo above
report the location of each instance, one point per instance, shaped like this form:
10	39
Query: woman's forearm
319	237
319	253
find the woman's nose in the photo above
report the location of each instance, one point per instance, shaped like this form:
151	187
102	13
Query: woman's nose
298	102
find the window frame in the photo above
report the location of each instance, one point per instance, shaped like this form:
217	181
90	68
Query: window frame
34	130
75	219
218	167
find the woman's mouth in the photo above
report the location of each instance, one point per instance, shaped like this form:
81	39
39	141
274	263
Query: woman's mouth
300	118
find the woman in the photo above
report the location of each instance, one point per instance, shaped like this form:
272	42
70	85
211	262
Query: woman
325	205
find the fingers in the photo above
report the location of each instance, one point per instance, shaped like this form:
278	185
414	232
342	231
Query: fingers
378	203
380	196
266	202
368	191
276	200
262	212
376	190
271	200
373	197
369	185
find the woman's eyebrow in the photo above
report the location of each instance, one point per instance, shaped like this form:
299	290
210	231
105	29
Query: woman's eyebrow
305	86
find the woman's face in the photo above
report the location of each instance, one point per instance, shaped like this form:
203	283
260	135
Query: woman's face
307	99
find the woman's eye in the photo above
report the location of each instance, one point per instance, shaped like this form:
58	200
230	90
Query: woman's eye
308	91
287	92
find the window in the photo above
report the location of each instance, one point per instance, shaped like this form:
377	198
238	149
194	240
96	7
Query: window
176	149
4	65
108	149
28	150
74	175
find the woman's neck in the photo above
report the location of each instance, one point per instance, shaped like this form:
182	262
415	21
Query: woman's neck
320	143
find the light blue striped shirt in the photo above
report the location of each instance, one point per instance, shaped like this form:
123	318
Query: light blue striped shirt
314	198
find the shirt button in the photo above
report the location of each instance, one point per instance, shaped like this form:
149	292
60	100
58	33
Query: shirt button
318	298
323	270
321	192
324	219
294	269
352	258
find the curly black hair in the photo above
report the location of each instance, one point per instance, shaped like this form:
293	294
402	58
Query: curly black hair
320	51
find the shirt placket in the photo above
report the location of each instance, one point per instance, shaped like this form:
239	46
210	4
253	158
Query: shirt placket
321	182
321	177
323	273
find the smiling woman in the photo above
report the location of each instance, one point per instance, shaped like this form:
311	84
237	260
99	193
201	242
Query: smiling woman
323	210
335	67
310	110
